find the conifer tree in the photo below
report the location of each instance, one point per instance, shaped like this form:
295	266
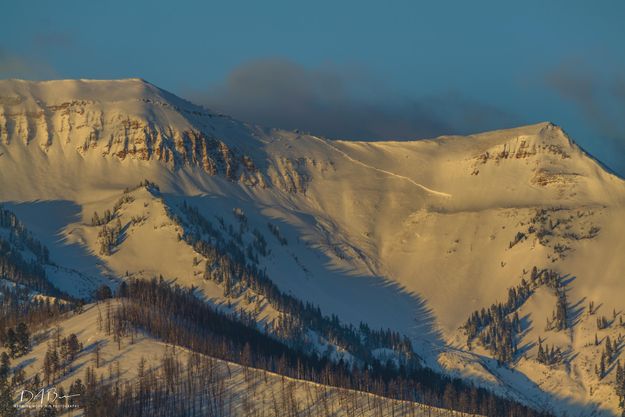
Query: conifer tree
73	347
11	343
560	315
541	353
620	381
608	349
47	367
96	355
103	292
5	367
76	392
22	338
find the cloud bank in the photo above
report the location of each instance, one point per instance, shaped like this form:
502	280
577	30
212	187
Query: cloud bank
15	66
600	100
333	103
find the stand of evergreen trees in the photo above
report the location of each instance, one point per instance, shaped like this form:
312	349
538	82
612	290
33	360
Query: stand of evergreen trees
109	236
20	312
21	315
497	330
229	267
177	316
608	355
20	237
548	356
202	386
14	265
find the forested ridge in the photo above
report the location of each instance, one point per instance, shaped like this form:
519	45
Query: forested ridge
177	316
497	327
234	268
22	256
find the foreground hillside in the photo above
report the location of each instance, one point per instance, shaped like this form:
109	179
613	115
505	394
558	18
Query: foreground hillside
469	255
199	384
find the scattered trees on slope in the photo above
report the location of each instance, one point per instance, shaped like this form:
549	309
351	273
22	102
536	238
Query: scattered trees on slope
20	237
16	341
548	356
497	327
16	263
229	266
108	237
177	316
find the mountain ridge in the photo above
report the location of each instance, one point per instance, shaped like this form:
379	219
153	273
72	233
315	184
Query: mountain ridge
414	236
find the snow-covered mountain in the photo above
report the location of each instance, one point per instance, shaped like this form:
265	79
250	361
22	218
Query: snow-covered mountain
410	236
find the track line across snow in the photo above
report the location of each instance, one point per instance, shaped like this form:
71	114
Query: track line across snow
421	186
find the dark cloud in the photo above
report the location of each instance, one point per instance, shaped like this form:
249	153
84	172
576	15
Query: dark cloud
10	64
15	66
52	39
600	99
334	103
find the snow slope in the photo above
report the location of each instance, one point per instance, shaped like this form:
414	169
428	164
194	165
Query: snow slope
244	392
414	236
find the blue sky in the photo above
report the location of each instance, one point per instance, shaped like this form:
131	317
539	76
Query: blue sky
352	69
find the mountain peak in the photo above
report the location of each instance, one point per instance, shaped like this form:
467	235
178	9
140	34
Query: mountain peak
54	92
552	131
123	119
415	236
545	130
133	119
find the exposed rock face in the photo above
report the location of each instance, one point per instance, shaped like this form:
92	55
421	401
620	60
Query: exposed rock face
550	141
411	235
290	175
143	128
